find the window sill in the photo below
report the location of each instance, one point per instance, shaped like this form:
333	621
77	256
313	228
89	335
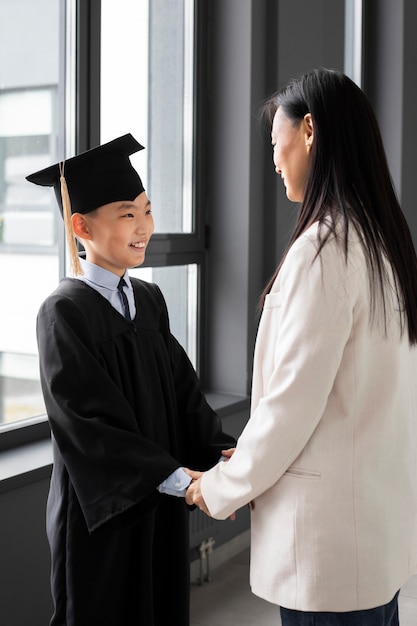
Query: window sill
25	464
227	404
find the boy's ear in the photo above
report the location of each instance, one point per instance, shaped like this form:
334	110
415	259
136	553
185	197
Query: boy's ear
80	226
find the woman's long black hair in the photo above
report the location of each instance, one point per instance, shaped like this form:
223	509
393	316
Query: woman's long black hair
349	184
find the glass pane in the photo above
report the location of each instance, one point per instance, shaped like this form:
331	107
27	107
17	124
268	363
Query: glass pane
146	89
178	283
29	105
354	40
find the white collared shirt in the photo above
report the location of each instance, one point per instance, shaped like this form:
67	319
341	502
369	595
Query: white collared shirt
105	282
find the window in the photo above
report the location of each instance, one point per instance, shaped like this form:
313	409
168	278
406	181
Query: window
143	53
31	98
147	66
353	40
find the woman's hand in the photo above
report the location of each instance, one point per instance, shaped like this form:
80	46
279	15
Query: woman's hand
193	494
228	453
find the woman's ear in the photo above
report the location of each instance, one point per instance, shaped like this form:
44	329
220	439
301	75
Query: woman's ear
80	226
308	130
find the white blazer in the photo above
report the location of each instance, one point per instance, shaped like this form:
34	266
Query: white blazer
329	454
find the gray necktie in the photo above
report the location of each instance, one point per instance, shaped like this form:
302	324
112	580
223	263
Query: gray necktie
123	296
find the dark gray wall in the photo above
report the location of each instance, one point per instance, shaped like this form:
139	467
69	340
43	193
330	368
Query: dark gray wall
256	47
316	40
390	81
24	554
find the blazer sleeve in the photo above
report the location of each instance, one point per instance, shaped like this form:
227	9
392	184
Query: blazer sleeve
306	336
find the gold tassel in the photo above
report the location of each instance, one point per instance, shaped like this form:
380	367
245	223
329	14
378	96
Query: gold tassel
66	206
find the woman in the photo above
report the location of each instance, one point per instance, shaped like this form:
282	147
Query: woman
328	457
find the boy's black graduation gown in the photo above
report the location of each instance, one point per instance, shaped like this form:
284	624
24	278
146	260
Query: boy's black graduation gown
126	409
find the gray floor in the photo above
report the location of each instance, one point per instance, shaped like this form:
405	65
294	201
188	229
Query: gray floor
228	601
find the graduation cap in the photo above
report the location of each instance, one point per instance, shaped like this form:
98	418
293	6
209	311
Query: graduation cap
90	180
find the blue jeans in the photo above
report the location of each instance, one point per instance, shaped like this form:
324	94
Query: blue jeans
386	615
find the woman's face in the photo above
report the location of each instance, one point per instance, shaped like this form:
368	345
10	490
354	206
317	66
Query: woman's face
292	147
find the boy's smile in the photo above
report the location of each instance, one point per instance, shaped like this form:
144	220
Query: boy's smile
115	236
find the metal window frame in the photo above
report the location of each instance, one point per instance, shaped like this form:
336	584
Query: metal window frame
81	120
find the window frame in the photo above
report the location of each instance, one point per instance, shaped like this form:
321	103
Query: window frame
35	428
79	65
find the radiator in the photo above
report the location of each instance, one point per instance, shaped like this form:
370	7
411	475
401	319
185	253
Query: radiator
201	527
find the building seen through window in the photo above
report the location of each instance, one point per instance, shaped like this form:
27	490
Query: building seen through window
29	103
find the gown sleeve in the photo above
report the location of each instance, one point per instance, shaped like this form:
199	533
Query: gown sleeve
204	436
202	432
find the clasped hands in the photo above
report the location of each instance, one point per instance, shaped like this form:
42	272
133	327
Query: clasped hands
193	494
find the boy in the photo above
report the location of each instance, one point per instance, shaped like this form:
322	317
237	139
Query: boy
125	407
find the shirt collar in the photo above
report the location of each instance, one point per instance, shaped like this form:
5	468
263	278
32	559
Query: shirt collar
101	277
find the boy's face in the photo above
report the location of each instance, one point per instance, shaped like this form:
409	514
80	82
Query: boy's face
115	236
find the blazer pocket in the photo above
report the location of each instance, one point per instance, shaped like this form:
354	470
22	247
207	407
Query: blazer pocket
273	300
298	472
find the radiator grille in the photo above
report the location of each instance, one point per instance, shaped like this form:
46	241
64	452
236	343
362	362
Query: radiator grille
201	527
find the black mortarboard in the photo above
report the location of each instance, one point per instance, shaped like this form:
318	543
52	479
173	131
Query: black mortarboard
92	179
95	177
